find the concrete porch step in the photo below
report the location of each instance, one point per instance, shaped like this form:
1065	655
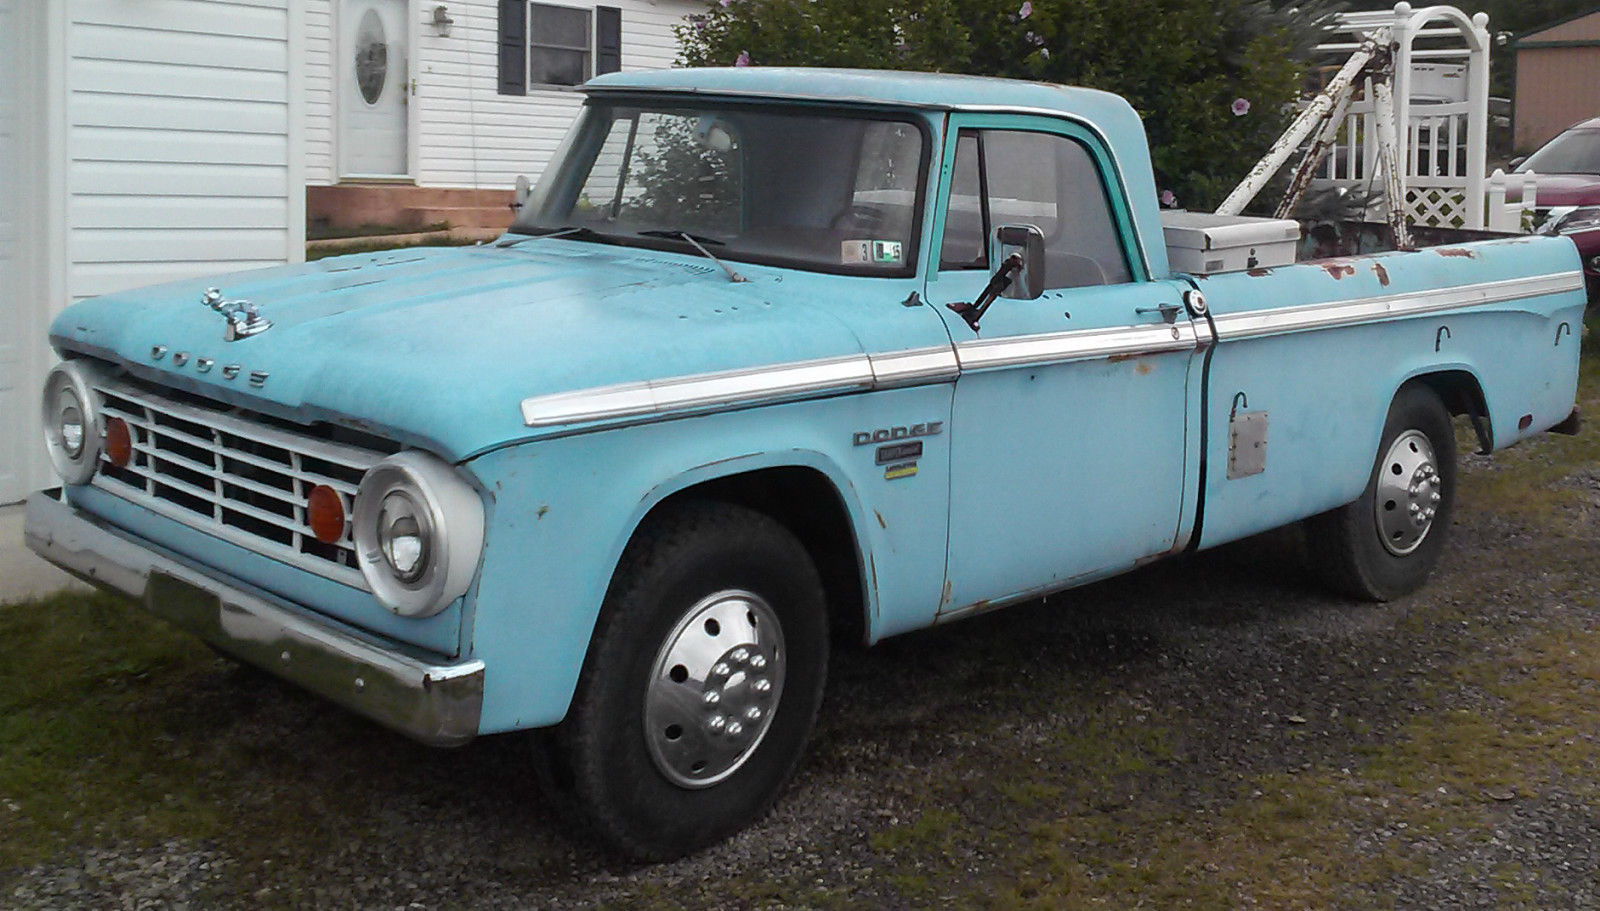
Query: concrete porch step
458	216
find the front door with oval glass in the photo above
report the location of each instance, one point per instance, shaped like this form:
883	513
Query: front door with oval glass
373	88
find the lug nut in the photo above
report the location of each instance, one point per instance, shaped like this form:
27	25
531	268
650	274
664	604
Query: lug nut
712	697
758	661
753	713
734	729
716	723
739	655
721	669
763	685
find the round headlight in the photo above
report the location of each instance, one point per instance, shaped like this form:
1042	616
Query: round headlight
418	530
73	427
405	534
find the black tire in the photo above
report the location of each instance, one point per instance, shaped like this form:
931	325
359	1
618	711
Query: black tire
1365	549
606	760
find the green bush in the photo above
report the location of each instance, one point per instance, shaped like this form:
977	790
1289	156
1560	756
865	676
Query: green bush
1182	63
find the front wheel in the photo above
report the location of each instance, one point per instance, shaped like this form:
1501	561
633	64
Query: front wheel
702	682
1386	543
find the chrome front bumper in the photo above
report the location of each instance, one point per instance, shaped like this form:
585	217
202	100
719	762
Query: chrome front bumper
438	704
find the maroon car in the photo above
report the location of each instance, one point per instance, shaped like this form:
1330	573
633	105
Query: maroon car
1568	180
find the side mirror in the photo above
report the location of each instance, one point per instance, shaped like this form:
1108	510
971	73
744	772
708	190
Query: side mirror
1028	241
1019	250
520	195
1515	163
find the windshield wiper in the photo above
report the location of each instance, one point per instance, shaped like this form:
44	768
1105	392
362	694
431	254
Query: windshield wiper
699	244
683	235
578	232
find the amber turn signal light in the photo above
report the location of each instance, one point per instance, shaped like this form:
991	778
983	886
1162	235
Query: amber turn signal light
119	442
325	514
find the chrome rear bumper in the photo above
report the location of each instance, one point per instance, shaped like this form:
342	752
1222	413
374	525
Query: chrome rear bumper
438	704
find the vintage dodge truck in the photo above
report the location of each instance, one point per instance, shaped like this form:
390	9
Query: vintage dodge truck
767	355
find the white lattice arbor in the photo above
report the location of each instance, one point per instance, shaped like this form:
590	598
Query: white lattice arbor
1441	104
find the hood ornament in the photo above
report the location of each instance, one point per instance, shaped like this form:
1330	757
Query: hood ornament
243	319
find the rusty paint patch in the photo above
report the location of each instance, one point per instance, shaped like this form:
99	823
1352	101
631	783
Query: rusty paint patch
1258	272
873	566
1143	369
542	510
1455	252
881	524
1338	270
1382	273
1118	358
944	596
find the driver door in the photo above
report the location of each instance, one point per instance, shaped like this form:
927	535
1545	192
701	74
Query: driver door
1071	450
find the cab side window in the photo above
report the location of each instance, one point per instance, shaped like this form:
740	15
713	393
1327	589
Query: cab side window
1042	179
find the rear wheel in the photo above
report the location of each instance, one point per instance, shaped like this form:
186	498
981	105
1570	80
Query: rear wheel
702	682
1386	543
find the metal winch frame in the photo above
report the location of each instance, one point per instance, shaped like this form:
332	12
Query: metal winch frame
1368	116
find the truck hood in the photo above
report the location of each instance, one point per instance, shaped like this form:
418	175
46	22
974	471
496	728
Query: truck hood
437	347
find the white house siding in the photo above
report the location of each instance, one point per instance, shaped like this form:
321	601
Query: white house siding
469	136
181	154
318	70
15	321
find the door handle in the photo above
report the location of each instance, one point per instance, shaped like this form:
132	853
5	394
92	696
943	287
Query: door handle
1169	312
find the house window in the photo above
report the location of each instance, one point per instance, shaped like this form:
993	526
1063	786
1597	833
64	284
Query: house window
548	44
558	44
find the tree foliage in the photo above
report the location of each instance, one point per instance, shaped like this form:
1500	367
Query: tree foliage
1184	64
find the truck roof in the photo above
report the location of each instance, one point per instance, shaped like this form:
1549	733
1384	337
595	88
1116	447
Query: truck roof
937	91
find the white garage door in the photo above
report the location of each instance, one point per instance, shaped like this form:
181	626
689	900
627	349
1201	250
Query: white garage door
15	428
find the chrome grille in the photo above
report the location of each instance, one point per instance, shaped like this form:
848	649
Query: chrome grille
235	476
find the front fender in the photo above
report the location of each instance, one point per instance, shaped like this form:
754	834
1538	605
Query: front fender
563	510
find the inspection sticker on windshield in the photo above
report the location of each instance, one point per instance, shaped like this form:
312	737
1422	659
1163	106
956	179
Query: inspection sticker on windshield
878	252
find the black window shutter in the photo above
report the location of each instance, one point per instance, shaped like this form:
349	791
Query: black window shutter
513	47
608	39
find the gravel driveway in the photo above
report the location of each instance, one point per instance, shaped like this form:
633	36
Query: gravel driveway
1214	731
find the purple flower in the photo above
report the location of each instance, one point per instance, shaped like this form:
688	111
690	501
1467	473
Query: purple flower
726	3
1169	198
743	59
1033	39
1027	9
1241	107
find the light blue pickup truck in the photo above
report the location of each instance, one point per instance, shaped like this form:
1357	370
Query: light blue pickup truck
768	356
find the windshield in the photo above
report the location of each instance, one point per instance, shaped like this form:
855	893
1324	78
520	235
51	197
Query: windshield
1573	152
790	186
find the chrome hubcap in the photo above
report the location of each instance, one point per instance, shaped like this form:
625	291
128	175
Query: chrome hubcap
1409	492
713	688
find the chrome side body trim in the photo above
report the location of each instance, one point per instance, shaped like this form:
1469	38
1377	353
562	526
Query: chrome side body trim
1089	344
920	366
914	367
1372	309
437	704
704	390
